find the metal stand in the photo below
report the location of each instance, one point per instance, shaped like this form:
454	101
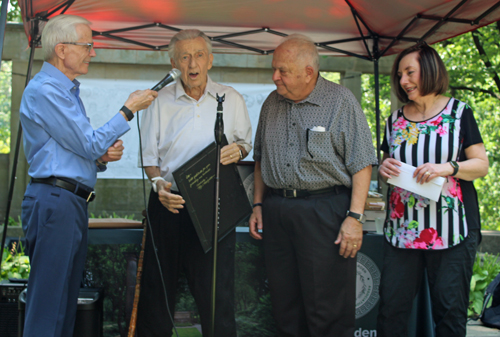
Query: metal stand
219	132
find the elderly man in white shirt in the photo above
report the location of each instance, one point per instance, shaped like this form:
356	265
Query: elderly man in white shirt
175	128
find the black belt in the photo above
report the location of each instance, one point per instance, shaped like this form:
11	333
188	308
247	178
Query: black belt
80	190
305	193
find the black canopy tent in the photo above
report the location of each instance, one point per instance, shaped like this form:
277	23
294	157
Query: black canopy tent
366	29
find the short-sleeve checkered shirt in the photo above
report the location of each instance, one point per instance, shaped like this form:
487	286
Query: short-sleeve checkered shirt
295	157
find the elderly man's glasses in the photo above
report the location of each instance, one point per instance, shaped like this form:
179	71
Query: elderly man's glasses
86	44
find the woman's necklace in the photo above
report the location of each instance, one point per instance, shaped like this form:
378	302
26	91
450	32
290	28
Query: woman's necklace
424	111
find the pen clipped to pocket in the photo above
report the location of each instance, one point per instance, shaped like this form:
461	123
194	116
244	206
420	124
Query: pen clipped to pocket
315	129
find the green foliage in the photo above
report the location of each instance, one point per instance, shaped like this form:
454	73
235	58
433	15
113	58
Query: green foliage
334	77
485	269
14	263
13	12
5	101
13	222
188	332
106	215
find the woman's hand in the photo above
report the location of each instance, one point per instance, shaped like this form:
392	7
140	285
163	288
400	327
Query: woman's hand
389	168
428	171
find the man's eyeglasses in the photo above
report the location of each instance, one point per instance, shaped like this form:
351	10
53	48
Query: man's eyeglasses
86	44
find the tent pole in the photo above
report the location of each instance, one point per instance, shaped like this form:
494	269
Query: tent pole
377	104
16	153
377	112
376	75
3	26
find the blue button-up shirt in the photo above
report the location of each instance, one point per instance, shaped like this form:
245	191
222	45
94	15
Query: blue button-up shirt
58	138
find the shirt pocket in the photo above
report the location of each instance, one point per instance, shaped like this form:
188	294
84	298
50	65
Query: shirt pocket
319	146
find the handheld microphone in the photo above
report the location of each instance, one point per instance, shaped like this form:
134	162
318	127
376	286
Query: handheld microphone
173	75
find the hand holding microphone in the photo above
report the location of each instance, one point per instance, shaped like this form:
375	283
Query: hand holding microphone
141	99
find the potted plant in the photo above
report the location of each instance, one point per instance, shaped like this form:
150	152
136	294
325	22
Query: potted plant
14	263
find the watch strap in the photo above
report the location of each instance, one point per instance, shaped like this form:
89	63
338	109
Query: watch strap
455	166
360	217
127	113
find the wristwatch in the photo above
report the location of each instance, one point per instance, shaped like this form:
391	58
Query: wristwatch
455	167
360	217
127	113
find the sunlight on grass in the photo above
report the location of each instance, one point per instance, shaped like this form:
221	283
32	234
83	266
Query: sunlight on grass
187	332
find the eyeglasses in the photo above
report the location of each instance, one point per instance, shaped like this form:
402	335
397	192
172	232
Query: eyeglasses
88	45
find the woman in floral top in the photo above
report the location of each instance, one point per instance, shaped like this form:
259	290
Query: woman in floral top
439	136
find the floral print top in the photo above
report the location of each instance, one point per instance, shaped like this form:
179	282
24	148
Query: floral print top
413	221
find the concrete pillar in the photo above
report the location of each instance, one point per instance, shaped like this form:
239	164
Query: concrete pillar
352	81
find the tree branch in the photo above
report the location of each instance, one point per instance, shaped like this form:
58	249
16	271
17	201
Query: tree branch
484	57
489	92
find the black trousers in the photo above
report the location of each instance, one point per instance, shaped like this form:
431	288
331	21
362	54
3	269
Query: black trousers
312	286
449	273
179	249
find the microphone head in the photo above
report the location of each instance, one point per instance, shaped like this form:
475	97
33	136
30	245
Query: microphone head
175	73
172	76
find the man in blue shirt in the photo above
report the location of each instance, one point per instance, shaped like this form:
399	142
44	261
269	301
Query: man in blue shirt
64	154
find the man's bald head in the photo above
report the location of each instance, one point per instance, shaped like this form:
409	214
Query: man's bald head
295	67
302	49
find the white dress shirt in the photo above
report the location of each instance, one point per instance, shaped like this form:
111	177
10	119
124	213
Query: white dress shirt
176	127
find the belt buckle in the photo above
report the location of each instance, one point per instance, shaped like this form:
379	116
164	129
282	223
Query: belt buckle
91	196
292	194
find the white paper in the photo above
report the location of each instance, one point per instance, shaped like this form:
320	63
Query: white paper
318	129
431	190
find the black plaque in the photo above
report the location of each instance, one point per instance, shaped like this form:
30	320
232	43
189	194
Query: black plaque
196	182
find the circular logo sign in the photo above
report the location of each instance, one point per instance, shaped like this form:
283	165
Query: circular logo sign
367	283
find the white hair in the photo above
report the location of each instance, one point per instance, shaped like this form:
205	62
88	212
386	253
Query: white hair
187	34
61	28
306	49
